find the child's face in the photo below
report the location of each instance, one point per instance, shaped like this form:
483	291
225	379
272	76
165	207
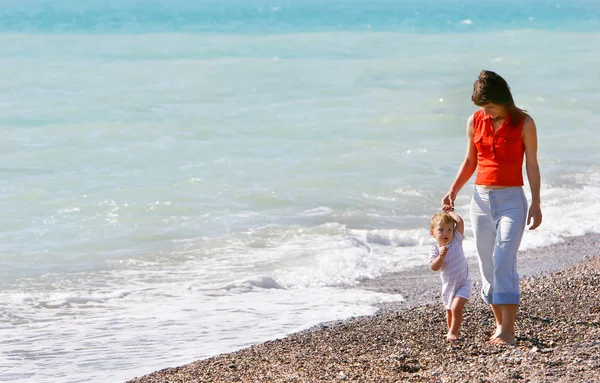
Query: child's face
443	233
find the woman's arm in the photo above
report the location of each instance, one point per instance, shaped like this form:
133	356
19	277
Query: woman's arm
466	170
533	172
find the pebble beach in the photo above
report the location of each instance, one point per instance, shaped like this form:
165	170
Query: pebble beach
558	334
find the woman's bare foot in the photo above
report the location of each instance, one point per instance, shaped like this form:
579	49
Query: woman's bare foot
503	339
497	333
451	337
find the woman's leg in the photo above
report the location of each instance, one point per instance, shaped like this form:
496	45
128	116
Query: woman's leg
498	220
511	211
484	231
508	314
509	208
498	316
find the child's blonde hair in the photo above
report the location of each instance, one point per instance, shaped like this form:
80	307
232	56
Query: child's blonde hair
440	218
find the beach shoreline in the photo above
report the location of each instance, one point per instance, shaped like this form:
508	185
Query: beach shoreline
419	285
558	333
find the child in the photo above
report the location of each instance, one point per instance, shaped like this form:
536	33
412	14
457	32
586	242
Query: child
447	256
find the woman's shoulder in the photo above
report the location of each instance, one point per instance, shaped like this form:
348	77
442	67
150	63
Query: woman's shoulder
521	118
528	120
528	123
475	122
476	118
478	115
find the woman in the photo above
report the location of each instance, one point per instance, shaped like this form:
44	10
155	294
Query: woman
499	136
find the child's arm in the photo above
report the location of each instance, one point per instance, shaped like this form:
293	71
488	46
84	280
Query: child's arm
438	261
460	224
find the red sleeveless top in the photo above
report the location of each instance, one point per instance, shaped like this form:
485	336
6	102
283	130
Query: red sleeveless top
500	154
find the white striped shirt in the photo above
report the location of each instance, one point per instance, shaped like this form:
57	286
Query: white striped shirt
454	271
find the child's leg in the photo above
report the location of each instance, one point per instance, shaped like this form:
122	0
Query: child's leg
458	305
449	318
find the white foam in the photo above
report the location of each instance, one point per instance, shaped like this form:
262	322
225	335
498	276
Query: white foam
567	212
378	197
391	237
149	328
418	151
318	211
408	191
68	210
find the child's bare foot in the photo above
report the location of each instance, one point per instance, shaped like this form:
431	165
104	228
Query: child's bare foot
503	339
451	337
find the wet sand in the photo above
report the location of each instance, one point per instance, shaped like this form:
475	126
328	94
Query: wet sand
558	333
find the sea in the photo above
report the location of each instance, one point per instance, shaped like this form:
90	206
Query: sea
185	178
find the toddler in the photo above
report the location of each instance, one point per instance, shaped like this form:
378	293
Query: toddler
448	257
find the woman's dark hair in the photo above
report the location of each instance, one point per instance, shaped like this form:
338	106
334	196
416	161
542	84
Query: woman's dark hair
491	87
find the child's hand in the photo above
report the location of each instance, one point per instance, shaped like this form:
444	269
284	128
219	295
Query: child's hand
443	251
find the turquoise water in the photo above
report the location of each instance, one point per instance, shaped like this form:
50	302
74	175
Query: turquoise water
259	17
182	179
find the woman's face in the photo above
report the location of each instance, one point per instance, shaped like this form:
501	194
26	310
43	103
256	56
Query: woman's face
494	110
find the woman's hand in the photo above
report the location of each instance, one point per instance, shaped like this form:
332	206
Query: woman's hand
448	201
535	214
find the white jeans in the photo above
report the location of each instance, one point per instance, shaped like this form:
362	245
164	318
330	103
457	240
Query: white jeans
498	218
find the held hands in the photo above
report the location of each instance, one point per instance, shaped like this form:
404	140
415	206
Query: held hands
535	214
448	201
